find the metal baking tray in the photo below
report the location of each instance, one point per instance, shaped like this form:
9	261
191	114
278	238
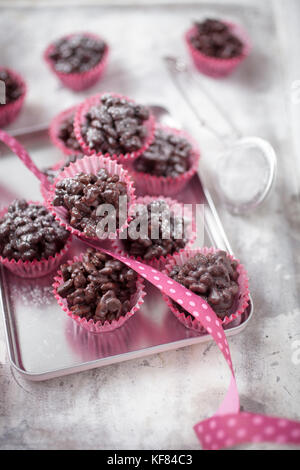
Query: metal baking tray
43	342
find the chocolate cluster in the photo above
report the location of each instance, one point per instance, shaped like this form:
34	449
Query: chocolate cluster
29	232
115	126
77	53
168	155
13	90
98	287
158	213
215	39
214	277
82	194
66	133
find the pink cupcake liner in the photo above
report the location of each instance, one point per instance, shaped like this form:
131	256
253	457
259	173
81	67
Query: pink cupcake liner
121	158
189	321
35	268
97	327
166	185
81	80
9	112
89	165
215	67
55	127
45	191
160	263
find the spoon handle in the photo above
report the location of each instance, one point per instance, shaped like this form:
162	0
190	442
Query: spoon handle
23	155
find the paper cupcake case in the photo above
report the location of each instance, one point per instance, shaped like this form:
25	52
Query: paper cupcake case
137	300
89	165
35	268
10	111
121	158
81	80
160	263
243	296
166	185
213	66
55	127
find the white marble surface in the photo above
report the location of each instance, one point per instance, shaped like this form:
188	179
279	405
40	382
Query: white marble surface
154	402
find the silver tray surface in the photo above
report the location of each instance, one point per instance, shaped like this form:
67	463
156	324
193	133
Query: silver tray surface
44	343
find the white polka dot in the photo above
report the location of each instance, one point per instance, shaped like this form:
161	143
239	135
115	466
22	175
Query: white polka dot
227	351
229	443
200	428
192	304
141	268
159	286
172	291
188	294
220	345
207	438
212	424
196	314
241	433
219	335
218	323
153	271
208	318
231	422
170	282
220	434
282	423
295	433
269	430
209	330
257	420
204	306
156	278
180	301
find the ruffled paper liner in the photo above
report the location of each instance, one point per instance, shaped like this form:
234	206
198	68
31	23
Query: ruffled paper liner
160	263
213	66
81	80
89	165
243	296
10	111
35	268
137	300
121	158
167	185
55	127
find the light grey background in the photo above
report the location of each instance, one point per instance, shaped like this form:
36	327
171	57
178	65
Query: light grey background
154	402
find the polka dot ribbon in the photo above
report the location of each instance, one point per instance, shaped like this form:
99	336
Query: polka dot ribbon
229	426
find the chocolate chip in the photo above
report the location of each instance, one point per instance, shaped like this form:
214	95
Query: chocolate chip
66	133
99	301
115	126
215	39
29	232
77	54
217	282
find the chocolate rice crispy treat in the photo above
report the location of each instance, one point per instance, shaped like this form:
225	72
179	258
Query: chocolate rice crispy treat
82	194
214	277
29	232
148	248
115	126
214	39
98	288
168	155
